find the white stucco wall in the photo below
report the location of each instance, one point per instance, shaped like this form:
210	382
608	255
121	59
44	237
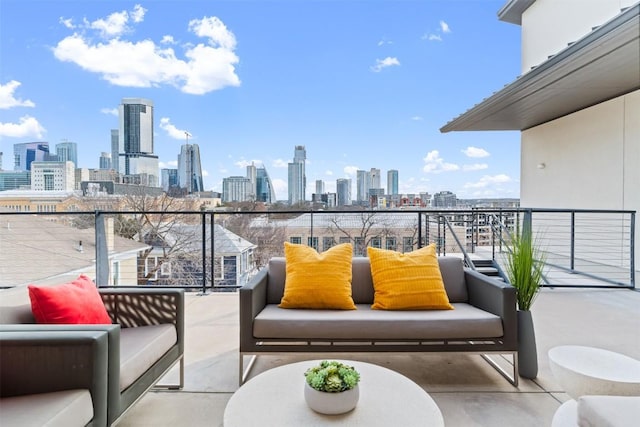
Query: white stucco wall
549	25
591	160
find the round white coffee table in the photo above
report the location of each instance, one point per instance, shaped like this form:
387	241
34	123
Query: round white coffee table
584	371
276	398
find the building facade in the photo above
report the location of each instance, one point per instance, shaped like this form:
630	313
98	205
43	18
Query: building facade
363	181
297	180
169	179
27	152
392	182
343	192
190	169
264	187
236	189
52	176
67	151
135	142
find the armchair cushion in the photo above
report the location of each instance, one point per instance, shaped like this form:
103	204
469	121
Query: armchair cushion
65	408
77	302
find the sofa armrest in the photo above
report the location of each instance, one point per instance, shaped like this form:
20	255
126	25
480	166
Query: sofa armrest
44	361
253	299
496	297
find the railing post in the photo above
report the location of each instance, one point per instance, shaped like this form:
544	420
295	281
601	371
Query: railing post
102	251
572	258
310	241
632	249
419	230
203	221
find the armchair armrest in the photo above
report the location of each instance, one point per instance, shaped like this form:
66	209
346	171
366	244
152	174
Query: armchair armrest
44	361
253	299
496	297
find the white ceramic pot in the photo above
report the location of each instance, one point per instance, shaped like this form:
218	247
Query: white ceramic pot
331	403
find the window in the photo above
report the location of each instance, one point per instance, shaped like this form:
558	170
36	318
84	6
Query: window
328	243
376	242
150	268
313	242
407	244
391	244
165	268
296	240
359	246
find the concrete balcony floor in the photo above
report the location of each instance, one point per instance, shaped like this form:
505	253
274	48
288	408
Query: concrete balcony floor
468	391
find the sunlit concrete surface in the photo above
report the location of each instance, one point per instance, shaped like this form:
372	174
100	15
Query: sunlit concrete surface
468	391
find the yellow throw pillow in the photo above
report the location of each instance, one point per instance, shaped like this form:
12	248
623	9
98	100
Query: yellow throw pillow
410	281
316	280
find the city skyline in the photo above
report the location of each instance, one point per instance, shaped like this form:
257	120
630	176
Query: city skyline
371	93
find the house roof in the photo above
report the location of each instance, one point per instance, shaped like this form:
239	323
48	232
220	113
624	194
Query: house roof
35	248
513	9
225	242
602	65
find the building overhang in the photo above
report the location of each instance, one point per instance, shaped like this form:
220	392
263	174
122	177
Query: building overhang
602	65
512	11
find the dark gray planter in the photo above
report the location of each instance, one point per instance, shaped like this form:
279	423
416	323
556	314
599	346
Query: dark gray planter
527	352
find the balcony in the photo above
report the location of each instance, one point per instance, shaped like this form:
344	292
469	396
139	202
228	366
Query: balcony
583	303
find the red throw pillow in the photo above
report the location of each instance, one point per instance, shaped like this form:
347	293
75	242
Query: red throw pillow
77	302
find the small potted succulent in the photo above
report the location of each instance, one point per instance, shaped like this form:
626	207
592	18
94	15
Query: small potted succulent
332	387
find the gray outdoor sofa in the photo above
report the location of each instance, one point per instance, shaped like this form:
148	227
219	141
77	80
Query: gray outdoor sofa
145	341
484	319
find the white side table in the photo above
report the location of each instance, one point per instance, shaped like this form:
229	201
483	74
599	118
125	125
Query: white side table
584	371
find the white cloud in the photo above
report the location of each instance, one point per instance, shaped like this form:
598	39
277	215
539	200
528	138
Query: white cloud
384	63
205	173
432	37
67	22
8	100
205	67
279	186
475	152
475	167
328	173
488	180
436	164
351	170
28	126
444	27
417	118
172	131
171	164
111	111
167	40
384	42
279	163
244	163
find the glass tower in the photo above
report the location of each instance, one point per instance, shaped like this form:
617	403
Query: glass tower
392	181
135	141
190	169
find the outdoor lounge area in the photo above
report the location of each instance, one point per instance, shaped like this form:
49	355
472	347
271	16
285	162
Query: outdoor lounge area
467	390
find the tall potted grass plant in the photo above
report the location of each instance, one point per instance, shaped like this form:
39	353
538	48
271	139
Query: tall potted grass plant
525	270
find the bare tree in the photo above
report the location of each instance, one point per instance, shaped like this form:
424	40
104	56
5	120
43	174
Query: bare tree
360	228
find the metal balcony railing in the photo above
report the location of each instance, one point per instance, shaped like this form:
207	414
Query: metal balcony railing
220	251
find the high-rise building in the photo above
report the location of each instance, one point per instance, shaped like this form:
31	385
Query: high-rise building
27	152
343	190
392	181
235	189
67	151
52	176
190	169
264	188
319	186
105	160
444	199
252	175
169	179
374	176
363	182
297	182
114	149
15	180
135	141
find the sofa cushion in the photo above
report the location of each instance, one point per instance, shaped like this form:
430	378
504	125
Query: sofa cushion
409	281
466	321
77	302
141	347
66	408
318	280
608	411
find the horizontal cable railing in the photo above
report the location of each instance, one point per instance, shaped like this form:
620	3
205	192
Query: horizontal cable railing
220	250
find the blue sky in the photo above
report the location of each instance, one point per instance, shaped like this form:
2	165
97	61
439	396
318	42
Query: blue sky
362	84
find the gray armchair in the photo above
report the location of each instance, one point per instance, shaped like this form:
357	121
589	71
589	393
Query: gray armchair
145	341
53	377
